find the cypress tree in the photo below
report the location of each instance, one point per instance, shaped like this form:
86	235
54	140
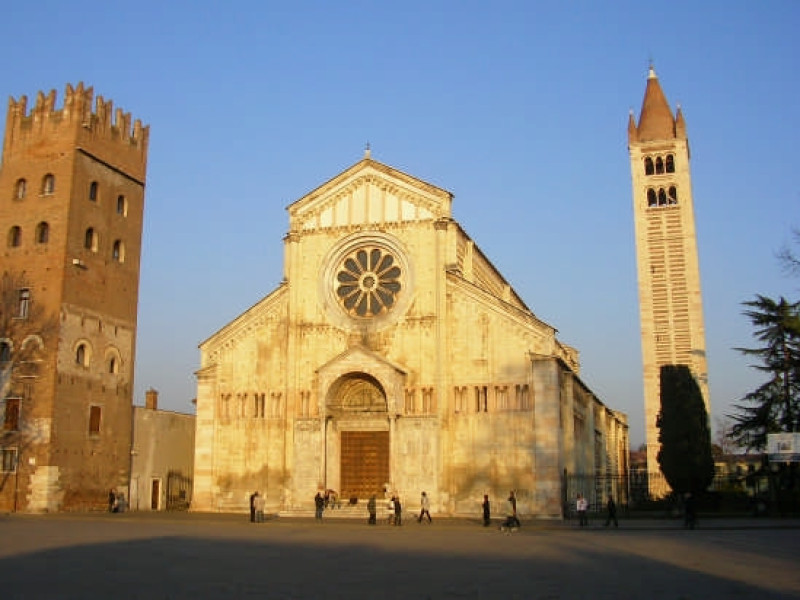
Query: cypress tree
685	455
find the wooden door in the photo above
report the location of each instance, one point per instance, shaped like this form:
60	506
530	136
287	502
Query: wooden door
364	463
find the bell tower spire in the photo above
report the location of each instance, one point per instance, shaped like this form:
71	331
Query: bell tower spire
670	299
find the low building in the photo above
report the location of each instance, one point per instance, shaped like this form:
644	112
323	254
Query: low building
162	458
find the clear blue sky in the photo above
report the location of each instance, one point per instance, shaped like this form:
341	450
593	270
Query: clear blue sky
518	108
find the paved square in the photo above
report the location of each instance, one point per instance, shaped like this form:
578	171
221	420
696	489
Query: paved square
140	555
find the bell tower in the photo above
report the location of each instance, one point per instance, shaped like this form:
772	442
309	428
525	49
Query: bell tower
72	183
670	300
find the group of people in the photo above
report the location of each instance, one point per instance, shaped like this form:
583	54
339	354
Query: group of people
394	509
257	503
116	501
582	508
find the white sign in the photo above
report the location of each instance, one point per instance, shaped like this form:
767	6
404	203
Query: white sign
783	447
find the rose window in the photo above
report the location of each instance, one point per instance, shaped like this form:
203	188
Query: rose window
368	282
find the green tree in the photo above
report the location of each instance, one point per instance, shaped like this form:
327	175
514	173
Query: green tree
775	405
685	455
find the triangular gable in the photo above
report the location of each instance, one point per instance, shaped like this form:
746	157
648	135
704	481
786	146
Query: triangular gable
369	192
356	359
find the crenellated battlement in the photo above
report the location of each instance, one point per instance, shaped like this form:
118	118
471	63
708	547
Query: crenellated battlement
101	130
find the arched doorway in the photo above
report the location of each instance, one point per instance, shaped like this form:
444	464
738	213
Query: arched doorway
358	408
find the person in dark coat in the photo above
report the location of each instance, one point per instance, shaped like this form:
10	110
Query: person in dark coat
319	506
253	507
372	508
398	511
112	500
487	520
611	507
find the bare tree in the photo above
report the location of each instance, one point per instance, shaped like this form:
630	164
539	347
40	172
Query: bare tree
790	260
25	331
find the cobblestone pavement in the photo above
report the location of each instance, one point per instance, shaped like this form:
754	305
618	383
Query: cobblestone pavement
176	556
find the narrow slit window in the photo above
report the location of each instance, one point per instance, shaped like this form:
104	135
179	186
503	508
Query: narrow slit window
21	187
15	236
94	420
42	233
48	184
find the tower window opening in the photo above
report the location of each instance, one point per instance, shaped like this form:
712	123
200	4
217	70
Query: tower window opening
113	366
5	352
11	417
20	188
9	460
648	166
48	184
670	163
91	240
651	198
673	195
14	236
42	233
122	206
118	251
23	303
83	354
94	420
659	166
93	191
662	197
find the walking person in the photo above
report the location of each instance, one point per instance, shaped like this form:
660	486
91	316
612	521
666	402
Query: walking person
581	506
487	516
372	509
398	511
689	514
319	506
425	503
112	500
512	521
611	507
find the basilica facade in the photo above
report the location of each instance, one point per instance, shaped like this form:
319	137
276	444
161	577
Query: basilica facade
395	358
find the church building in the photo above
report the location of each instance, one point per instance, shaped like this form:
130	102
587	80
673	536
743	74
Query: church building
395	358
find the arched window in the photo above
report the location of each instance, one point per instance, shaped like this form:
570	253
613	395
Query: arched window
93	191
48	184
651	198
659	165
91	240
122	206
648	166
42	233
20	189
118	251
113	365
673	195
83	354
662	197
670	163
14	236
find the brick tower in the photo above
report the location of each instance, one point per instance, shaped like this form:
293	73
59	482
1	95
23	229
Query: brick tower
72	185
670	301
